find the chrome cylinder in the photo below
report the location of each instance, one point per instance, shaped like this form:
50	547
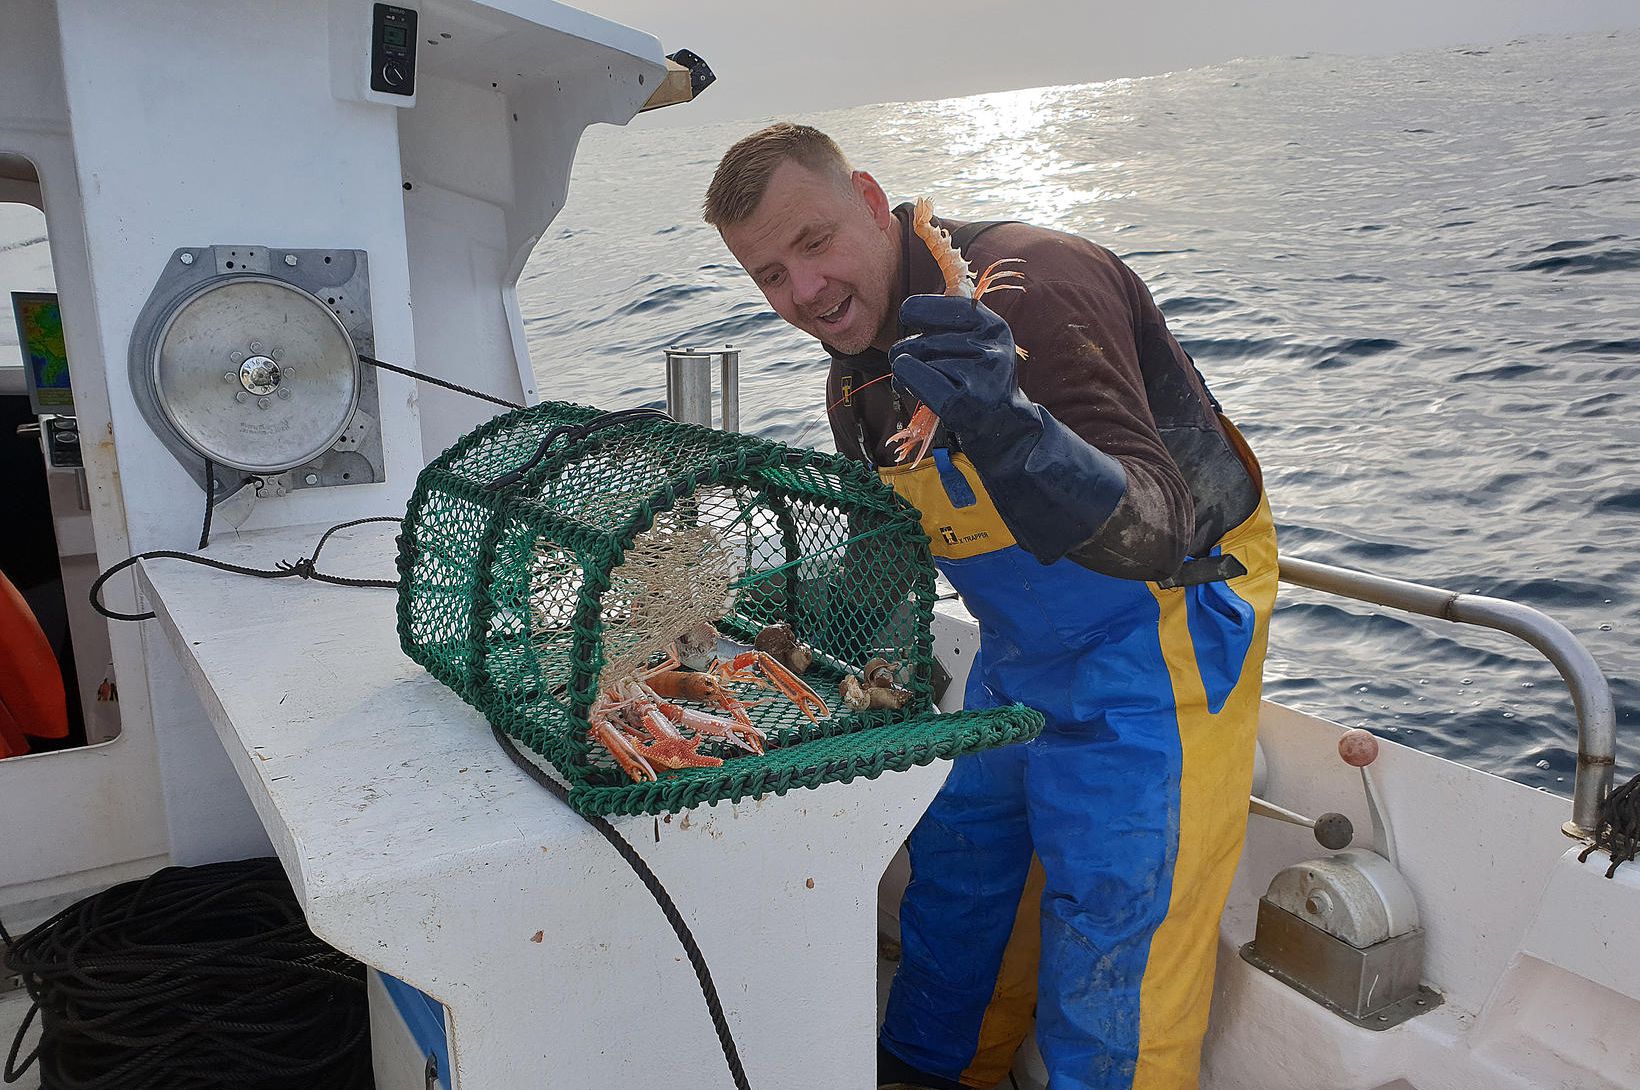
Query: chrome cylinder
689	385
731	389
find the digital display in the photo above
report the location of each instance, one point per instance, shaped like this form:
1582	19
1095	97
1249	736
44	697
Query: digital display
393	50
45	357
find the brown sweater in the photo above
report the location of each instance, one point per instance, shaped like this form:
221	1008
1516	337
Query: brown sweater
1104	364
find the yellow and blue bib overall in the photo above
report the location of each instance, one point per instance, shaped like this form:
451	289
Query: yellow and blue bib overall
1133	801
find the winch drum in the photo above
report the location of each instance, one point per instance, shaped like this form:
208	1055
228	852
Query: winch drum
249	358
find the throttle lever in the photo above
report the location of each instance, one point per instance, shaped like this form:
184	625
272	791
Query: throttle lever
1332	831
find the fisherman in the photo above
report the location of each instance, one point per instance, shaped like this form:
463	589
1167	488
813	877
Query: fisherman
1107	527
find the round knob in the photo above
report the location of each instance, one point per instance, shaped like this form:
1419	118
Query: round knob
1334	831
392	74
1358	747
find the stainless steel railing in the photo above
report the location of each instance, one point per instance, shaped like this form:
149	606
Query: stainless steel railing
1591	693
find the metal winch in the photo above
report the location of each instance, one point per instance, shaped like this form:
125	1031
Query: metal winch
1344	930
247	356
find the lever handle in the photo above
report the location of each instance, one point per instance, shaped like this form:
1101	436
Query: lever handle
1359	748
1332	831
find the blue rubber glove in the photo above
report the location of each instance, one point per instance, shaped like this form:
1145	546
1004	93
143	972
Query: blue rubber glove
1052	489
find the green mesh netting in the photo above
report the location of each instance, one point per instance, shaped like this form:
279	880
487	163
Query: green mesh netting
534	597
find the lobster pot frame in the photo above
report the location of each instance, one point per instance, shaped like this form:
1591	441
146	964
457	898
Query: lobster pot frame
556	550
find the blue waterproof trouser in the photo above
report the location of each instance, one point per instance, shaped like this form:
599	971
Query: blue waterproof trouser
1133	800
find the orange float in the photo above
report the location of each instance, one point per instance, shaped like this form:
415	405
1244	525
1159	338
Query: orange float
32	702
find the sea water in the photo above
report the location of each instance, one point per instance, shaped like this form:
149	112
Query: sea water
1414	282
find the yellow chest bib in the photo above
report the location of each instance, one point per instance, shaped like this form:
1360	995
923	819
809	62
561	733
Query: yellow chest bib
957	512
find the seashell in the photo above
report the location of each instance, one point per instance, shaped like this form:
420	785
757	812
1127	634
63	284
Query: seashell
698	646
853	693
881	673
780	641
888	697
874	697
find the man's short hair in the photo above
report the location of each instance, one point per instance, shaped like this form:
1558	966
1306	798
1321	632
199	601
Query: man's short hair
744	172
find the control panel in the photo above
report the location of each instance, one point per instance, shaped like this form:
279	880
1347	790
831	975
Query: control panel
62	441
393	50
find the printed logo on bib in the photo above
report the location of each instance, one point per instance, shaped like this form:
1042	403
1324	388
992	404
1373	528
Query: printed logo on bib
951	536
956	530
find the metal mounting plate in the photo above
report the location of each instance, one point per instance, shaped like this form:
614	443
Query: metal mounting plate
1375	989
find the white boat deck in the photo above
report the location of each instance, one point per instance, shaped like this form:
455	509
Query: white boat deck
418	847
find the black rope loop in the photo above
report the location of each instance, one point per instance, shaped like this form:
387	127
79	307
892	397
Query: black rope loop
574	433
302	567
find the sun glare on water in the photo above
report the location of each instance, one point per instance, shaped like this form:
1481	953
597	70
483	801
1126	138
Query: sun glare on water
1011	146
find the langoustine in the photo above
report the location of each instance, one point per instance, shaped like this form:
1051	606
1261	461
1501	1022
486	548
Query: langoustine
918	434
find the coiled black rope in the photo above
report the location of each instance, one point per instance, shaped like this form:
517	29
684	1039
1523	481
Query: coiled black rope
1617	832
680	927
194	978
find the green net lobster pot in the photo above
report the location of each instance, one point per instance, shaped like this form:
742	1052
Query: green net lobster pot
556	550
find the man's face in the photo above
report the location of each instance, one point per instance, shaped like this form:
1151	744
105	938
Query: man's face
825	254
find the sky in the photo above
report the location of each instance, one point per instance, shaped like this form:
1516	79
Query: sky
781	57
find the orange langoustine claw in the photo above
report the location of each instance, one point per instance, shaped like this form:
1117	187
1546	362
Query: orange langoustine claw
918	434
785	682
637	721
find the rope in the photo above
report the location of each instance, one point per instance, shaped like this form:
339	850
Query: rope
680	927
574	432
491	398
210	503
305	567
1617	832
302	568
210	500
194	978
